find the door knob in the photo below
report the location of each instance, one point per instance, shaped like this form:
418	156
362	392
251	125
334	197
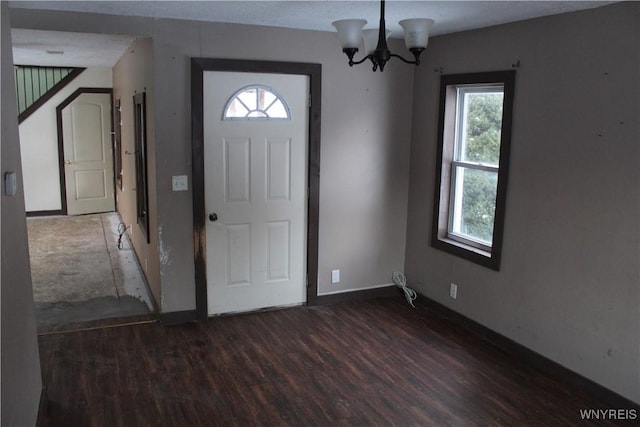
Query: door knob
213	217
68	162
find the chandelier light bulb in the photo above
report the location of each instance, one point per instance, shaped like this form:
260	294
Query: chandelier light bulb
416	32
349	32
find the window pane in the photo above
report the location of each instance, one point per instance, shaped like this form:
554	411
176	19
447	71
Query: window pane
277	110
256	103
249	98
481	127
236	109
474	203
265	99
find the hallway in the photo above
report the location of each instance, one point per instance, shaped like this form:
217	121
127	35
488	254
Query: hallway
80	275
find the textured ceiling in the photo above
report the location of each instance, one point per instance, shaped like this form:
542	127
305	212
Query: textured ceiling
449	16
55	48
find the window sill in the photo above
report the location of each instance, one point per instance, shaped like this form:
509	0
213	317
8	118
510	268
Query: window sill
467	247
470	253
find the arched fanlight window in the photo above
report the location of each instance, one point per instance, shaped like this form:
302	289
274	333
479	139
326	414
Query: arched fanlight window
256	102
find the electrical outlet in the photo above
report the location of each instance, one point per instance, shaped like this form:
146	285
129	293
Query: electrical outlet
335	276
453	291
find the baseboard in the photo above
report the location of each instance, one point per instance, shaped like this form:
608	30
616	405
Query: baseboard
387	291
45	213
517	351
178	317
42	407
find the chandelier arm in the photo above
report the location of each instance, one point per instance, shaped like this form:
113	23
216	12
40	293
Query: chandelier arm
352	62
416	51
416	62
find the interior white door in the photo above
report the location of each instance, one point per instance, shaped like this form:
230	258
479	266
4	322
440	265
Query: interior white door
88	156
256	193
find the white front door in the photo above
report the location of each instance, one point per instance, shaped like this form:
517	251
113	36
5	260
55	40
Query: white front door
255	190
88	157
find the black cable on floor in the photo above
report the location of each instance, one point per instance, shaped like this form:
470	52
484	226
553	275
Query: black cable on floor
122	228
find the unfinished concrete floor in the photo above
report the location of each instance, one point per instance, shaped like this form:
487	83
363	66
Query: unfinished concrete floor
79	274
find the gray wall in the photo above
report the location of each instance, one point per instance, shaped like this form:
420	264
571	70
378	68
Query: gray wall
134	74
569	286
21	380
366	126
364	154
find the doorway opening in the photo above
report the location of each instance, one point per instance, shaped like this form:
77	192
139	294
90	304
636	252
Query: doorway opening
83	266
84	269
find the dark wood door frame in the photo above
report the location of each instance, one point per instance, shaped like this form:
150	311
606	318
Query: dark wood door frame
61	167
314	71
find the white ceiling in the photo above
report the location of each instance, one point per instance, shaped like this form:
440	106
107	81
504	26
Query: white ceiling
449	16
55	48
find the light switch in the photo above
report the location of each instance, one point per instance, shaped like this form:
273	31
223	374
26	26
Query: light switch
10	183
180	183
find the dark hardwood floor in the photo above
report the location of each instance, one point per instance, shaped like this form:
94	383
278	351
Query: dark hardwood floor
376	362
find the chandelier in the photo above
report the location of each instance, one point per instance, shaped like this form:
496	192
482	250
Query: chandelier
350	33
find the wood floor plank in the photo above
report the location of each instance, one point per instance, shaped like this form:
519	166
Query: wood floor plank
377	362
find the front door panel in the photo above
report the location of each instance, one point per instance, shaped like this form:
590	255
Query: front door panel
255	184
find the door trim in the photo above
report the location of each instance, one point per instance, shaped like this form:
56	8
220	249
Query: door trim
61	168
314	72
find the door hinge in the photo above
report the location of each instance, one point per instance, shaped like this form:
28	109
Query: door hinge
309	99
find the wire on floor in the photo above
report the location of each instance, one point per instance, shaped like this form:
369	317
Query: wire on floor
401	282
122	228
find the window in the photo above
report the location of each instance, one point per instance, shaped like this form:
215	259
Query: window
140	141
473	157
256	103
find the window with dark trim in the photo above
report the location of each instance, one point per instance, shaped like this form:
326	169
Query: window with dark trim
140	141
474	137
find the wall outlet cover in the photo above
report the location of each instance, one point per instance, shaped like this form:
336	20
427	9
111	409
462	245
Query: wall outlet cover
453	291
335	276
